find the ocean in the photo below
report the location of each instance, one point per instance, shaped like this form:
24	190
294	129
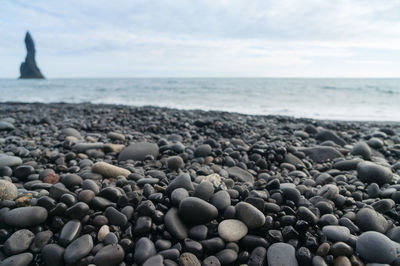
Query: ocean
319	98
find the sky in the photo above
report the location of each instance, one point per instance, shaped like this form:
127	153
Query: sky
203	38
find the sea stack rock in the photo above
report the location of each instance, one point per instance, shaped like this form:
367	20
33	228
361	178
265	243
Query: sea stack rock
29	69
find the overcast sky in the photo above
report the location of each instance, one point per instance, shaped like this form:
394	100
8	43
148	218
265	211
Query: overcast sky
208	38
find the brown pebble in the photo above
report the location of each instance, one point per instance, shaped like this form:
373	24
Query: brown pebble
342	261
188	259
323	249
208	159
355	261
51	178
24	201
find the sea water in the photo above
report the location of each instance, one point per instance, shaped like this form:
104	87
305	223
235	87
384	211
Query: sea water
333	99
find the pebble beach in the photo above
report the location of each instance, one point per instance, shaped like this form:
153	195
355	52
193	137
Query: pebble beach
96	184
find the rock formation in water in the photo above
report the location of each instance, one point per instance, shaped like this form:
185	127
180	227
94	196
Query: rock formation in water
29	69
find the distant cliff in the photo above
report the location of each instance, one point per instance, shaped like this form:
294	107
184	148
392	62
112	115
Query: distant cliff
29	69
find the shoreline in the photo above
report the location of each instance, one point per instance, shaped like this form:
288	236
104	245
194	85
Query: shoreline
120	185
268	116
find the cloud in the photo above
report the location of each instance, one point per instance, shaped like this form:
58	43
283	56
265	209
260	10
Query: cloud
202	37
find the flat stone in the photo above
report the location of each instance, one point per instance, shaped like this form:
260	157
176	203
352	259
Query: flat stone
232	230
369	220
23	259
109	170
6	160
6	126
320	154
8	191
26	217
18	242
241	174
281	254
138	151
324	135
375	247
250	215
78	249
83	146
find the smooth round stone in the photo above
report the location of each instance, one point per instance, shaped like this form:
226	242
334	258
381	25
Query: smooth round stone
281	254
369	220
77	211
23	259
110	255
23	171
6	126
362	149
341	249
18	242
6	160
178	195
188	259
375	247
175	162
138	151
232	230
53	254
72	180
103	231
227	256
90	185
78	249
336	233
196	211
204	190
182	181
69	232
250	215
8	191
144	249
109	170
156	260
202	150
372	173
26	217
221	200
318	261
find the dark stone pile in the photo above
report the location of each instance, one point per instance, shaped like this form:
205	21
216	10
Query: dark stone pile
115	185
